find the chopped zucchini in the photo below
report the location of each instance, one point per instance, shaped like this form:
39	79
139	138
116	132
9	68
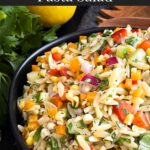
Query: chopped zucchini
138	60
121	51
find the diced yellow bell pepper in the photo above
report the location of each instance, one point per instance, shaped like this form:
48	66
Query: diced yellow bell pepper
29	141
32	118
54	79
128	84
136	75
28	105
90	96
52	112
139	92
148	51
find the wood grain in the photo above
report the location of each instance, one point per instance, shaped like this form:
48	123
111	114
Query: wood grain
136	22
127	11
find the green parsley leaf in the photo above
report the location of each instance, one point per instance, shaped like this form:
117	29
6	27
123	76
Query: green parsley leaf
37	135
131	41
103	85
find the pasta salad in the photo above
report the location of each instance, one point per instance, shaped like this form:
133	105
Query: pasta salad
93	94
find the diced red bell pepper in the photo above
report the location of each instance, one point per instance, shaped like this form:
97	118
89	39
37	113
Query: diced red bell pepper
140	120
134	81
123	110
107	51
118	35
54	72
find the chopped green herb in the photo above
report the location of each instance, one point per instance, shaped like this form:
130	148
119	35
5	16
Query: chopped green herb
87	138
125	111
53	143
37	135
97	75
121	140
93	35
119	124
102	48
71	83
63	140
131	41
103	85
107	33
82	125
69	128
37	97
110	95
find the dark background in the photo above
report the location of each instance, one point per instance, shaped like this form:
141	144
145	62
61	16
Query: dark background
85	17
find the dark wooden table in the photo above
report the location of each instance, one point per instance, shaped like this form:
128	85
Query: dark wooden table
84	18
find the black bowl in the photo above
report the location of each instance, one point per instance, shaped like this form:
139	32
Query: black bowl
20	79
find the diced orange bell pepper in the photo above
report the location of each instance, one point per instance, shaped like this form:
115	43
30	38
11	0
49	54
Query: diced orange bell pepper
80	76
90	96
82	97
33	125
47	55
35	68
75	65
121	85
58	103
72	45
82	37
80	148
52	112
92	147
32	118
140	120
60	129
139	92
136	75
145	44
41	59
128	84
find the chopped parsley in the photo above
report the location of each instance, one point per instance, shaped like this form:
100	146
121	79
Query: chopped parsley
125	111
131	41
103	85
119	124
107	33
82	125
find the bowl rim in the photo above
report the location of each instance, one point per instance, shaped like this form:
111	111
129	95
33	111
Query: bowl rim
12	113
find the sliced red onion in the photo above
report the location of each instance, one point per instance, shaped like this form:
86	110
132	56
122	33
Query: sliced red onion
111	61
90	79
73	111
